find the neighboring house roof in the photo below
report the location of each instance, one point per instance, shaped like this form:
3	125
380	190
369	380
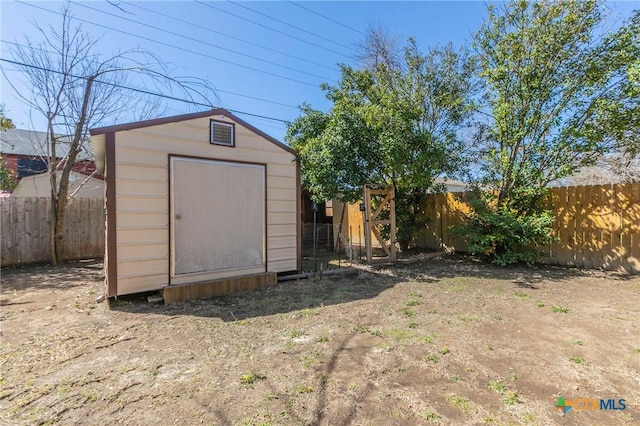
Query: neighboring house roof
24	142
34	144
607	172
451	185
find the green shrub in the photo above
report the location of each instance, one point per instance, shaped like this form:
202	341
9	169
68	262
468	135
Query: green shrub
504	235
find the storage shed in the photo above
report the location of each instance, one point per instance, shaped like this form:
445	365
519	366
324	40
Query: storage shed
198	205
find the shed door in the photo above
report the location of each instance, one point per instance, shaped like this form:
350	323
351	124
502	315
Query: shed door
218	226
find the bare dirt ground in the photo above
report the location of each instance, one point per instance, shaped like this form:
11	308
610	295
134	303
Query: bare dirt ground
446	340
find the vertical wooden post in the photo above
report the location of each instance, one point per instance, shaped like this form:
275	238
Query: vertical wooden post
392	217
367	223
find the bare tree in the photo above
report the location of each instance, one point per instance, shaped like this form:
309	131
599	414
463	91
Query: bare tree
75	88
379	47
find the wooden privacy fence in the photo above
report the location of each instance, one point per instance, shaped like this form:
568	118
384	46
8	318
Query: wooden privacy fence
596	226
25	230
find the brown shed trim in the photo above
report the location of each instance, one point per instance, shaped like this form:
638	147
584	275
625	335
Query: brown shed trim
112	266
184	117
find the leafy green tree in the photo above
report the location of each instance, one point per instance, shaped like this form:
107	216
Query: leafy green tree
7	177
5	122
390	124
554	81
551	76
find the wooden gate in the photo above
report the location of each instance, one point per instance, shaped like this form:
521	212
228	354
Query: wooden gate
372	220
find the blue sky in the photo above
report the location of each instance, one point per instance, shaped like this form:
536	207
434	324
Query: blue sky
220	42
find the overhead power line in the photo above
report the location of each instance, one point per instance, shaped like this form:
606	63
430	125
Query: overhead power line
290	25
209	5
202	27
199	41
216	89
138	90
326	17
173	46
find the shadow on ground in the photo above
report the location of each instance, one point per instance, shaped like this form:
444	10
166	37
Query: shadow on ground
282	298
47	277
291	296
361	284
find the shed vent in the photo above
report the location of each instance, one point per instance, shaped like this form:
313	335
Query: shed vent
222	133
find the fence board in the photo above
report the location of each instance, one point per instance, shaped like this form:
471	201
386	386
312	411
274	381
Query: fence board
597	226
25	230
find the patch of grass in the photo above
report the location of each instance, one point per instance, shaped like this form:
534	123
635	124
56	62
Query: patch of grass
488	420
352	386
468	318
431	417
432	311
413	325
251	377
309	312
528	419
414	303
578	360
378	332
432	357
269	396
460	402
497	386
539	304
293	333
322	377
511	398
311	358
304	389
63	390
560	309
323	338
409	312
575	342
455	378
520	294
398	333
430	338
385	346
361	329
490	348
90	395
415	294
513	376
445	350
459	287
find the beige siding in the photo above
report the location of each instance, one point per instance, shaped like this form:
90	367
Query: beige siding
142	190
141	283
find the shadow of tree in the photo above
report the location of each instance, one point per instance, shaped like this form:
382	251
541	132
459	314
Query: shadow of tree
47	277
292	296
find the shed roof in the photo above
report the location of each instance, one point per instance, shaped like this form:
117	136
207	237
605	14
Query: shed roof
185	117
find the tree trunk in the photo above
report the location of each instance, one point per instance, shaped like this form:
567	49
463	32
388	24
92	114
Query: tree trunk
53	165
63	192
